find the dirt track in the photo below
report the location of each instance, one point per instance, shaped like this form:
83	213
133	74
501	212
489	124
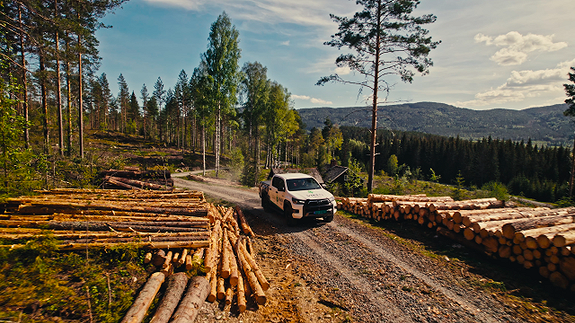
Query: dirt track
347	271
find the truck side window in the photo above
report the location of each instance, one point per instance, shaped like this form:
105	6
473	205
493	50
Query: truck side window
277	183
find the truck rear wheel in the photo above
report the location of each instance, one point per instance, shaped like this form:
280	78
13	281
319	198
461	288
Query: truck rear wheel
266	202
288	214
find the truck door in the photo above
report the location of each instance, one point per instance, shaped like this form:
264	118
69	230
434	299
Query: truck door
277	192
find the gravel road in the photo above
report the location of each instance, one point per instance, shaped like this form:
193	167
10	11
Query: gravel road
361	271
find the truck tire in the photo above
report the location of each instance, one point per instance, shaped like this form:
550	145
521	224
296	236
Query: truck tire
288	213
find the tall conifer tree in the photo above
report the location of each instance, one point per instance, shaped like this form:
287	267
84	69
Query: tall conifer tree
387	40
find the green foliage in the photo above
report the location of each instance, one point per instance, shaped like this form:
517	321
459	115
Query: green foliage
565	202
538	172
392	165
20	169
57	283
384	32
497	190
570	92
237	164
458	192
434	177
354	180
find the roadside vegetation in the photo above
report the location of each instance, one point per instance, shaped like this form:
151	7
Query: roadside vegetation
41	284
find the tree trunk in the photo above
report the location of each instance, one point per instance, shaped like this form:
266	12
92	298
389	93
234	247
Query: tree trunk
564	239
510	229
137	183
467	218
257	153
59	88
371	170
217	142
198	289
44	95
80	99
24	82
554	230
69	102
571	180
204	150
140	306
176	286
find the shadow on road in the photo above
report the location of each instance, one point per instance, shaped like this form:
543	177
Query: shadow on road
276	220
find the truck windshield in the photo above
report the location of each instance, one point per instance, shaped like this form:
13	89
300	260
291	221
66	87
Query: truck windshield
302	184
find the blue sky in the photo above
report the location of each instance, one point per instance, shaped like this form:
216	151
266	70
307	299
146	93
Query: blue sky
494	54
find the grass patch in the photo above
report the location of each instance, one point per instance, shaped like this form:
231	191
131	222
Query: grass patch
39	283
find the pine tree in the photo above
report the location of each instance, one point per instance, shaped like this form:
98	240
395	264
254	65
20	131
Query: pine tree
570	112
387	40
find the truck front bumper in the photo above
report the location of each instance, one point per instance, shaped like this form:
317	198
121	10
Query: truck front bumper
314	209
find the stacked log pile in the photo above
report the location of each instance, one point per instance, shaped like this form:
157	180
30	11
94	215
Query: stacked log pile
81	219
185	235
539	238
136	179
228	261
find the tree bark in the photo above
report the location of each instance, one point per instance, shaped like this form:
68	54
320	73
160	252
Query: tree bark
43	90
572	178
245	226
80	99
136	183
469	217
375	102
24	81
521	235
59	88
510	229
142	303
69	102
176	286
198	289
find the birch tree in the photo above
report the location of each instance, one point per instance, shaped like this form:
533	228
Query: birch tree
221	61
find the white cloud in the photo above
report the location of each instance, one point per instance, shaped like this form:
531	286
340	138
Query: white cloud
516	46
320	101
524	84
344	70
300	12
312	100
285	43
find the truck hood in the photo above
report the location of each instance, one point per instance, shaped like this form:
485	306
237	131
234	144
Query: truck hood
311	194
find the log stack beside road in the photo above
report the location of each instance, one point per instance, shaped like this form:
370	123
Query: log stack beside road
184	236
540	238
136	179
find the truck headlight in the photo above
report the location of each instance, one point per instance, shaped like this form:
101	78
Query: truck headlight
331	199
298	201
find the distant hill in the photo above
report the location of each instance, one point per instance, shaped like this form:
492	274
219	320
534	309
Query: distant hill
543	125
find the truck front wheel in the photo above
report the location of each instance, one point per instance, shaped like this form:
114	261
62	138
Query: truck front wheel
288	213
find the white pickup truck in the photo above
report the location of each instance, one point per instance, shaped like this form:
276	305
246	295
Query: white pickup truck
298	196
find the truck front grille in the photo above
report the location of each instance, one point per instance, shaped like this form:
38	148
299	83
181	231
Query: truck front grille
317	208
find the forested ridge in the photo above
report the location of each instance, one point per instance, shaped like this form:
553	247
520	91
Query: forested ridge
543	125
539	172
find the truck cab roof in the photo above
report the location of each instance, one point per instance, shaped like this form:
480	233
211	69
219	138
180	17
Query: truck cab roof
293	175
